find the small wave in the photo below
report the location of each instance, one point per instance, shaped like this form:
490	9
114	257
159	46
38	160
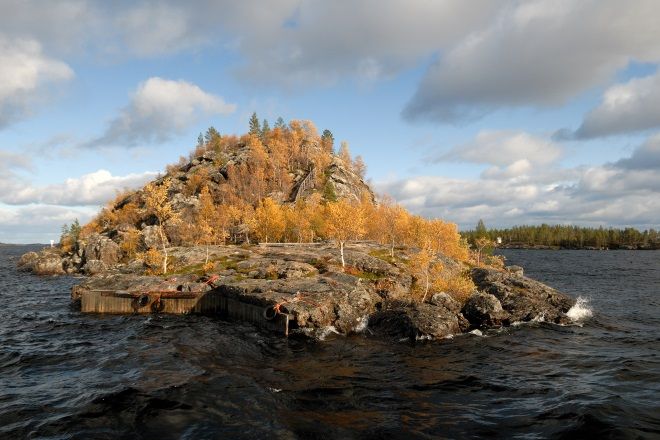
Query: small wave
580	311
476	332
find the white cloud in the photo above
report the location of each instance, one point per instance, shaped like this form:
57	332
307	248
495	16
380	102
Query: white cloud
313	42
625	108
38	223
25	73
543	52
64	26
91	189
160	109
622	193
516	149
157	28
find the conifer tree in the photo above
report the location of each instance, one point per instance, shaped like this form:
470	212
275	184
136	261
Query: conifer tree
255	129
481	230
265	129
327	141
280	123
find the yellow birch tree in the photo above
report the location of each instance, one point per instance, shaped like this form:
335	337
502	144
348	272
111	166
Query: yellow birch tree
344	221
269	221
157	203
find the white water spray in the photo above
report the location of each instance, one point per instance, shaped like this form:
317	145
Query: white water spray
580	311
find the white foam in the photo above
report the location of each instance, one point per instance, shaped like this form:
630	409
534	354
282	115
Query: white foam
476	332
362	324
327	331
580	311
539	318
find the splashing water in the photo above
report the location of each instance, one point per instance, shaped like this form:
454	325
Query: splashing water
580	311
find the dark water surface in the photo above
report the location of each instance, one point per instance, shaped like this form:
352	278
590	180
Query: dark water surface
68	375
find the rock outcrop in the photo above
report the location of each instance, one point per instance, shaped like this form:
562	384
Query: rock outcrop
98	247
522	298
47	262
307	283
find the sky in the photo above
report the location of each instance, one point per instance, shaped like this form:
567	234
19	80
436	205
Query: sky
514	112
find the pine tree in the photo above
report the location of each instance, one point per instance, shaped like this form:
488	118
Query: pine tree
327	140
211	135
255	129
280	123
481	230
265	129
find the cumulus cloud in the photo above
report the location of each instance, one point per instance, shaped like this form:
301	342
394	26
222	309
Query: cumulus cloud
91	189
625	108
26	73
321	42
160	109
505	147
38	223
543	53
510	154
625	192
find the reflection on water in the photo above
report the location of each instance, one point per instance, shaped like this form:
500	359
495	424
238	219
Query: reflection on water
68	375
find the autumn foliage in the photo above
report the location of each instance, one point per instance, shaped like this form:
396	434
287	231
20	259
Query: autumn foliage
273	185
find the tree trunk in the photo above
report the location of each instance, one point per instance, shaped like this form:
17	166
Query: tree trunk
162	241
341	251
426	291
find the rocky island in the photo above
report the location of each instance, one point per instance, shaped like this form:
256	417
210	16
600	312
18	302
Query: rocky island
277	228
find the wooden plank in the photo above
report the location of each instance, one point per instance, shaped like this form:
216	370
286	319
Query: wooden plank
212	302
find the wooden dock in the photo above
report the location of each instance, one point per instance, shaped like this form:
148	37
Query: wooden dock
215	302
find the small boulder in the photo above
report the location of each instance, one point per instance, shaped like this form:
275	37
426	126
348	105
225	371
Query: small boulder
150	238
484	310
445	300
515	270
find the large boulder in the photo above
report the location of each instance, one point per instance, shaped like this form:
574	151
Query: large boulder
27	260
484	310
523	298
101	248
48	264
417	321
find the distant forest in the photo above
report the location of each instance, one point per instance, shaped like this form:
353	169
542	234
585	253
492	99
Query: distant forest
566	236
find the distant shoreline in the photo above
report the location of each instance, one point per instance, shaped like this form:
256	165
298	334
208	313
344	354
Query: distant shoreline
584	248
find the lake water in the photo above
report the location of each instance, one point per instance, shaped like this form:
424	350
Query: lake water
68	375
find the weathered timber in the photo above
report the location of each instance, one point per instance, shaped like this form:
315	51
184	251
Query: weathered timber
213	302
